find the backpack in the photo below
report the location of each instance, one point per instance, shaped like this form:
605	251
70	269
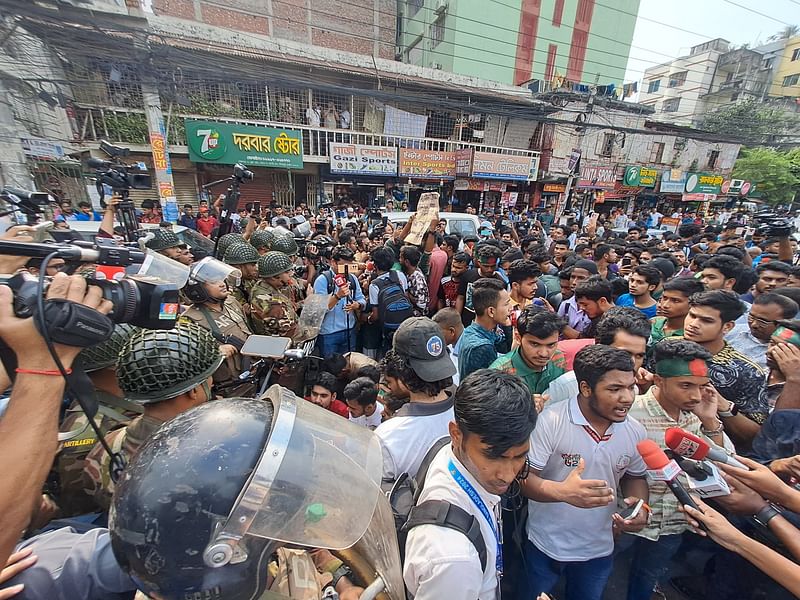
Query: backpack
403	494
394	307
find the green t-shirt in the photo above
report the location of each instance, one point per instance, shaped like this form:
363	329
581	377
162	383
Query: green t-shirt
537	381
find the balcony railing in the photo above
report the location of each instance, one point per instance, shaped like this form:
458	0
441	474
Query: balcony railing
129	126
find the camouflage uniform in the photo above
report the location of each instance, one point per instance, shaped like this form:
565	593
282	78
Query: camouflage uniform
230	321
126	442
273	313
113	413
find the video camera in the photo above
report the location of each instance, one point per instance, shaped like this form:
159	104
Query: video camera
30	204
773	225
143	287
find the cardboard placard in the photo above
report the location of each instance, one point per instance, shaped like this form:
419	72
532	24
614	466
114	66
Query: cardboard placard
427	210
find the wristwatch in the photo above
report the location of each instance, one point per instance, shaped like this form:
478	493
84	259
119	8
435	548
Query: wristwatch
766	514
343	571
732	411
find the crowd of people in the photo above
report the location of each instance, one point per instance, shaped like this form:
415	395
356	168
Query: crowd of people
544	354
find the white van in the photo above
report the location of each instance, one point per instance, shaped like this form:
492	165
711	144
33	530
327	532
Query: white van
460	223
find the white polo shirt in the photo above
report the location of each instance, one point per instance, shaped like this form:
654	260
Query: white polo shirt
442	563
372	421
407	436
561	438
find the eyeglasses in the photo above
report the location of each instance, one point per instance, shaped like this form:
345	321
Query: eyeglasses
761	321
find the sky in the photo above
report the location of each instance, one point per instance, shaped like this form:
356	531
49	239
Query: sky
667	29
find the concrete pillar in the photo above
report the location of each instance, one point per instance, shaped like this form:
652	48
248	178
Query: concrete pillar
158	144
13	167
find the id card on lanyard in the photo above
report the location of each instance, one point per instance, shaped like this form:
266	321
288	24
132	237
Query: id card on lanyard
497	528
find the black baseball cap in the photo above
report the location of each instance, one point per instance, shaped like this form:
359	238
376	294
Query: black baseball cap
421	340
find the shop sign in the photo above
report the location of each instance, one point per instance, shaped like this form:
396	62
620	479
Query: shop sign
464	162
42	149
554	188
427	164
602	177
703	183
673	181
699	197
160	155
669	224
504	166
231	143
640	177
347	159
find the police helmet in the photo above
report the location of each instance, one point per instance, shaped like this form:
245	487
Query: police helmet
226	241
164	239
241	253
156	365
262	239
105	354
284	242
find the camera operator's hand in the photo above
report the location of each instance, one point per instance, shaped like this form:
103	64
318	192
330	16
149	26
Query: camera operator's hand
22	336
20	233
786	467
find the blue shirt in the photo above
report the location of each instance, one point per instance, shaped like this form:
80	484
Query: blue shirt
188	222
627	300
476	349
336	319
95	216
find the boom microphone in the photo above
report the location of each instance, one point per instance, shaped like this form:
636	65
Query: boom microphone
660	468
689	445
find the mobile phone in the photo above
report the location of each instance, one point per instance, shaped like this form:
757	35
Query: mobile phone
257	208
631	511
626	261
384	220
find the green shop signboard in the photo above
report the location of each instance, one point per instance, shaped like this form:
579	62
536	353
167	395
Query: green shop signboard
640	177
703	183
228	144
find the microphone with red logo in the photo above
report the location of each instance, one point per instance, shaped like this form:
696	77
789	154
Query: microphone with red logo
661	468
689	445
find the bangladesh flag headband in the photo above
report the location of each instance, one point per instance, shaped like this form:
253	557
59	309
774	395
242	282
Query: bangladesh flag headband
677	367
787	336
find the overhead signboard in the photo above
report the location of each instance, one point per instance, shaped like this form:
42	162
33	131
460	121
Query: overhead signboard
347	159
427	164
231	143
640	177
489	165
703	183
673	181
464	162
598	176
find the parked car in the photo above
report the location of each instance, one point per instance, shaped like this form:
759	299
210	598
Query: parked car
460	223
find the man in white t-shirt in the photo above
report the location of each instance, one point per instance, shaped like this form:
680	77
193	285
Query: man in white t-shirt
419	367
361	396
581	451
490	438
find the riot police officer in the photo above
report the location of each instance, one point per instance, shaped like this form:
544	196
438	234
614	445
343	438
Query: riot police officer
244	257
167	372
214	308
262	240
167	243
226	241
284	242
77	436
273	312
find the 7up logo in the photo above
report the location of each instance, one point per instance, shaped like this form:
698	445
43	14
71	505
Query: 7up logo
206	142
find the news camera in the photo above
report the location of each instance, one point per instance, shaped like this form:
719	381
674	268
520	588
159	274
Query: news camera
771	224
31	204
143	288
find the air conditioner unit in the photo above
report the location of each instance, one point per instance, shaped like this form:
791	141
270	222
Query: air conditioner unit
441	6
436	65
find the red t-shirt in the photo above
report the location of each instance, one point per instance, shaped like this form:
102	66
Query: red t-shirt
338	407
570	349
206	226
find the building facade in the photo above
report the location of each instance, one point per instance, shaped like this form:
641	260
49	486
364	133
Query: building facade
786	83
580	41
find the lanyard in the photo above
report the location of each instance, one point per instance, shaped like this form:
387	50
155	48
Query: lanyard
481	506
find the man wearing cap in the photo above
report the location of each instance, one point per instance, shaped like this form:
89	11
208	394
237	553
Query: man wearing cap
678	398
167	243
418	366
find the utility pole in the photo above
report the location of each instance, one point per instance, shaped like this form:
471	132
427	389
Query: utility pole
159	149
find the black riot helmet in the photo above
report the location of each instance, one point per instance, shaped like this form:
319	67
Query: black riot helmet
209	498
209	270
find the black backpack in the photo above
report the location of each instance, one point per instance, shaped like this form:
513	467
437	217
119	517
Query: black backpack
394	307
403	495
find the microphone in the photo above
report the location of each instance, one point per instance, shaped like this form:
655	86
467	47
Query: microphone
689	445
660	468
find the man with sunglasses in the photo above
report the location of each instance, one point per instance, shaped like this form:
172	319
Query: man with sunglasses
762	320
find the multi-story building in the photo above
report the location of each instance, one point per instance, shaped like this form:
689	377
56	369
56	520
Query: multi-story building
674	90
786	83
580	41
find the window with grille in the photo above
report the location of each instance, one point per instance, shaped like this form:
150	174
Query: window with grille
791	80
414	6
713	157
677	79
652	87
608	144
437	31
795	54
658	153
671	105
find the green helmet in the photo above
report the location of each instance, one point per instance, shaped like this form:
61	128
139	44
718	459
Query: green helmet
241	253
226	241
164	238
262	239
284	242
156	365
105	354
274	263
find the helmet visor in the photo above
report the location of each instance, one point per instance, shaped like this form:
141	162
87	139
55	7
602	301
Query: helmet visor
317	481
211	270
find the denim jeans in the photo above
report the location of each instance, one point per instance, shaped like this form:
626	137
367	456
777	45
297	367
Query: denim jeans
651	562
336	343
585	580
